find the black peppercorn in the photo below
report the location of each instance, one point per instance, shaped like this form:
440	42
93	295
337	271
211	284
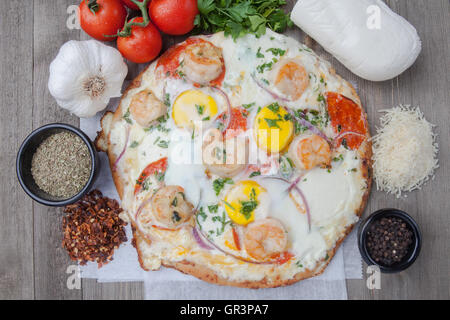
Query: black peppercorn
388	240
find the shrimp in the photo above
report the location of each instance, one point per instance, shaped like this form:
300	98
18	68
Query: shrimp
146	108
225	158
309	151
202	62
291	79
265	239
170	206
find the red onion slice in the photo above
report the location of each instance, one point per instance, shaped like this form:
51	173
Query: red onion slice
308	124
335	140
123	151
229	108
274	95
143	204
199	240
308	213
215	246
299	191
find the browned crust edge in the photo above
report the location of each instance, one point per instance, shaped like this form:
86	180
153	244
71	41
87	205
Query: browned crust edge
208	275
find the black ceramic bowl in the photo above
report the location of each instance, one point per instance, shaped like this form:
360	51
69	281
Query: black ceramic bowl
414	248
25	155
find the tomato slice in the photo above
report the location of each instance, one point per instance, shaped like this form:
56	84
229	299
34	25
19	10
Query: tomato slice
158	166
237	123
346	116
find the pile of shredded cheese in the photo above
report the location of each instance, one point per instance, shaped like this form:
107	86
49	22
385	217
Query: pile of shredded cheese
404	150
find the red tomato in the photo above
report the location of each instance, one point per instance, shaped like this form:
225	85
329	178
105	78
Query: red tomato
102	17
143	45
346	116
238	122
131	5
158	166
174	17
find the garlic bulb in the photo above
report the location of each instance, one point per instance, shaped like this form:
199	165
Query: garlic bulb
85	75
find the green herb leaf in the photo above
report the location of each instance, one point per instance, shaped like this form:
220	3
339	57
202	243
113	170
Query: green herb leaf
255	174
200	109
219	184
134	144
126	117
213	208
272	123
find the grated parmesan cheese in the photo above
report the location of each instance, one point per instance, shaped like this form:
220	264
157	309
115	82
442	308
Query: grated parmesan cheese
404	150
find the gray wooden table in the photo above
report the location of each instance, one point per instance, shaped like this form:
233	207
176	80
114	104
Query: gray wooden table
33	264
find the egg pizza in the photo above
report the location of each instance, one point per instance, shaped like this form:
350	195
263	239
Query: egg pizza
242	163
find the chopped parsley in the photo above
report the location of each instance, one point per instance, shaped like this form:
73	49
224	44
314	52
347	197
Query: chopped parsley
272	123
344	143
206	118
126	116
229	205
265	66
255	174
320	98
134	144
201	213
223	220
174	202
248	106
247	207
340	158
274	107
167	99
163	144
276	51
259	54
213	208
200	109
219	184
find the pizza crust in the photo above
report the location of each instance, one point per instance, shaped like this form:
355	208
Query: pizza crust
202	272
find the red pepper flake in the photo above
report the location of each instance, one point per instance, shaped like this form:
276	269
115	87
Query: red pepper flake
93	229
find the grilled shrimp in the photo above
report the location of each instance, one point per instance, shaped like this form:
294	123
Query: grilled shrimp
291	79
202	62
146	108
310	150
265	239
170	206
225	158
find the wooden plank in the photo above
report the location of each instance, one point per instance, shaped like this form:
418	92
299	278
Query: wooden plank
426	84
92	290
16	96
51	260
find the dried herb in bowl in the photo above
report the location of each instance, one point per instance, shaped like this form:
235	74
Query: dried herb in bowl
61	165
93	229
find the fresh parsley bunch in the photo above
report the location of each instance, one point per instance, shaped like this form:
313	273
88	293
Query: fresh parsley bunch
240	17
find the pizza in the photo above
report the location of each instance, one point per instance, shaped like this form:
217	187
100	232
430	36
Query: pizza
242	163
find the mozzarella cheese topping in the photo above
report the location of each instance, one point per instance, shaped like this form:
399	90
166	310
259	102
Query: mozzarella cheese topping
226	205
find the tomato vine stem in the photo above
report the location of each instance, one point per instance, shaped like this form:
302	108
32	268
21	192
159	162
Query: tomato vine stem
126	30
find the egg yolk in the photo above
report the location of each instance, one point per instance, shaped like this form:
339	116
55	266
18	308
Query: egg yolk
273	128
242	200
193	106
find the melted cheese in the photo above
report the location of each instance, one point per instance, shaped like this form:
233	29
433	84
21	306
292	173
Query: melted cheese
334	197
